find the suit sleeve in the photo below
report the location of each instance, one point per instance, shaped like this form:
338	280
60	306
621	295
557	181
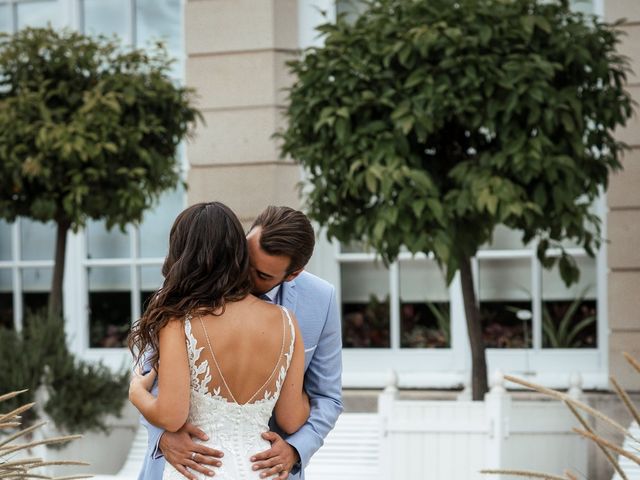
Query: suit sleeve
323	383
153	433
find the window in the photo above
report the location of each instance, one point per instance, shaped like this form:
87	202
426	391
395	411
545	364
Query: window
109	275
403	316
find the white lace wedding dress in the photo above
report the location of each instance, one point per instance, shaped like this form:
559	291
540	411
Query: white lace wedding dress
232	427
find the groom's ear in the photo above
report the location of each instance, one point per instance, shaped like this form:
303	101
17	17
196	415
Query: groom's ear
293	275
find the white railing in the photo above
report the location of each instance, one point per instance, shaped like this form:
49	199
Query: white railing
454	440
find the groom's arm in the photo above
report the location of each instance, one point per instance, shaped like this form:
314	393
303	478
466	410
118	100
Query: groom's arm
154	433
323	383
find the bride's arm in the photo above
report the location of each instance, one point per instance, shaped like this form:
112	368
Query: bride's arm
171	407
292	408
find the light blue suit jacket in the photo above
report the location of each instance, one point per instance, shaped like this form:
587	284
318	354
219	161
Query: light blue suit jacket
314	302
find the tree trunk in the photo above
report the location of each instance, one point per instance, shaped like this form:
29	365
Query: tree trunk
479	385
55	296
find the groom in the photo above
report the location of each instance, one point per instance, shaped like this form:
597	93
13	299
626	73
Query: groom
281	242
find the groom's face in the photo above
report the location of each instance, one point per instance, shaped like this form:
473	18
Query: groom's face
266	270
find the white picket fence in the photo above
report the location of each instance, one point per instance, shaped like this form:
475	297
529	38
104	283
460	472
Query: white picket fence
454	440
435	440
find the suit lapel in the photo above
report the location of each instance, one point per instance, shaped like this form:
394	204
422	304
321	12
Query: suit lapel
289	295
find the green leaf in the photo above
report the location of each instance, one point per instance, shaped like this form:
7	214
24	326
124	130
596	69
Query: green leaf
371	181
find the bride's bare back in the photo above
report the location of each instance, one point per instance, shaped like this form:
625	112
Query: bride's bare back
246	348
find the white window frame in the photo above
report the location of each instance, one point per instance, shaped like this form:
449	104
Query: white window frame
450	367
76	286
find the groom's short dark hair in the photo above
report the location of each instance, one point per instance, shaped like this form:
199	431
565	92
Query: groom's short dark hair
286	231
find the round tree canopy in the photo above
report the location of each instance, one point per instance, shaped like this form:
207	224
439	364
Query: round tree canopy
428	123
87	129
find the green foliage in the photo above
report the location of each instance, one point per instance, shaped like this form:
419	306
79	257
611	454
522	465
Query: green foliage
81	395
428	123
443	319
87	130
565	331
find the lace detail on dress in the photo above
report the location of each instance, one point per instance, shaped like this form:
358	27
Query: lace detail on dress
197	385
233	428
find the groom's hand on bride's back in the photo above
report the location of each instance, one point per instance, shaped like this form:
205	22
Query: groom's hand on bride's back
178	449
278	461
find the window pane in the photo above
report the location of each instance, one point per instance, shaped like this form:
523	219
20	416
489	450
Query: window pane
5	19
6	298
505	302
161	20
354	247
40	14
569	314
365	305
38	240
36	285
106	244
5	240
150	281
424	306
154	231
109	306
584	6
108	17
504	239
351	8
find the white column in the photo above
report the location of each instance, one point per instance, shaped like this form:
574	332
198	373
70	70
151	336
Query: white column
498	408
386	402
74	294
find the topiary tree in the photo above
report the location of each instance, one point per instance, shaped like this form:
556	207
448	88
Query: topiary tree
428	123
87	131
80	395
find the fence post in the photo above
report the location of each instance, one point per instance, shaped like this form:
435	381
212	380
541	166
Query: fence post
497	408
575	385
41	397
386	401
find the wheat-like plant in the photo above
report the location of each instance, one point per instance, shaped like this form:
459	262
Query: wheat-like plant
609	449
14	467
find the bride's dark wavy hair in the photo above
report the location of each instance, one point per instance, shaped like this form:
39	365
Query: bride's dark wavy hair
207	266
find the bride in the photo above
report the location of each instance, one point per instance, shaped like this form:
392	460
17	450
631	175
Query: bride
225	360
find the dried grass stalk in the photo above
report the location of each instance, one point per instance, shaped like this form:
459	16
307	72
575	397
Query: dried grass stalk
6	425
24	474
568	399
606	443
61	462
21	462
523	473
20	469
48	441
73	477
16	412
612	460
10	395
632	361
11	438
626	400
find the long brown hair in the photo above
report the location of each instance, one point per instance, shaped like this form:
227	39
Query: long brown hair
206	267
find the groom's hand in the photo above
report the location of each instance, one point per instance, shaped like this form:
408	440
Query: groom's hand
278	461
178	449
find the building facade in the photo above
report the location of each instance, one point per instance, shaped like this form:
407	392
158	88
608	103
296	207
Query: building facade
402	317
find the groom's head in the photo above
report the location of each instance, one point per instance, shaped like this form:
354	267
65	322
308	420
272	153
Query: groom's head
281	242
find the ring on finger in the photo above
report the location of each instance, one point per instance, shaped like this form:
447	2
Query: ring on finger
193	455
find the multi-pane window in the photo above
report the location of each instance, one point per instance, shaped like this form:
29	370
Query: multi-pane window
110	274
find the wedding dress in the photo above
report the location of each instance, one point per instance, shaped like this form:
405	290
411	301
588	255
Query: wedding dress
233	428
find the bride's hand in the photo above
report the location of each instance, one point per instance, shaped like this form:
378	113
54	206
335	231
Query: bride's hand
140	380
